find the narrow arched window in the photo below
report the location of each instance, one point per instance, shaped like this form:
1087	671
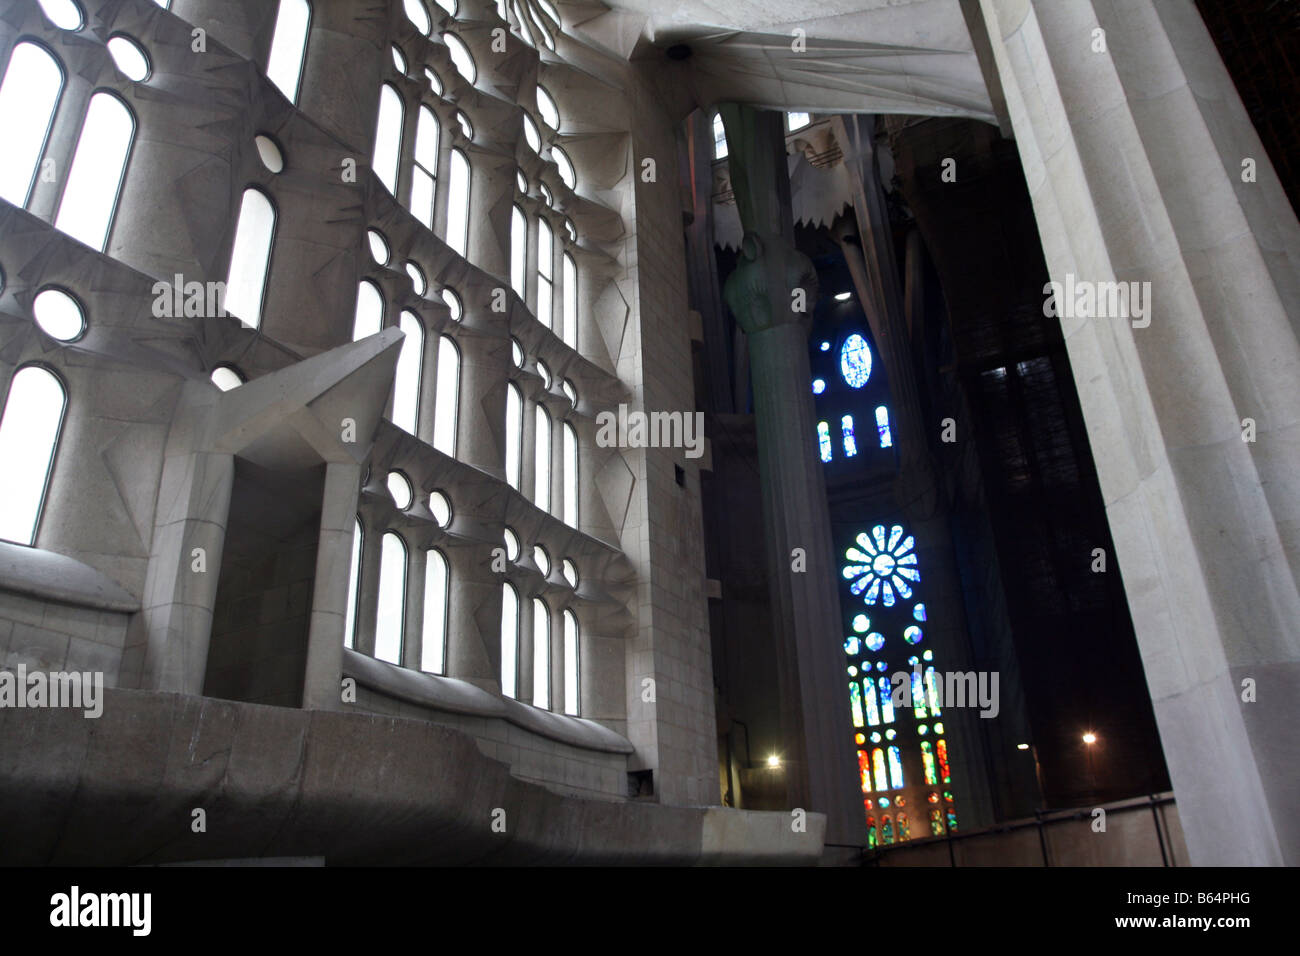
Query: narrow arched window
564	167
514	432
531	135
570	516
546	108
542	460
29	435
95	177
895	768
388	137
460	56
458	202
545	271
447	397
719	137
369	316
524	31
518	249
392	598
541	654
509	640
569	283
29	94
433	641
288	46
250	258
571	668
882	427
424	175
354	583
406	383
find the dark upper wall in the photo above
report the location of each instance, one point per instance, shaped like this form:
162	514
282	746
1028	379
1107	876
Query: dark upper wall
1007	380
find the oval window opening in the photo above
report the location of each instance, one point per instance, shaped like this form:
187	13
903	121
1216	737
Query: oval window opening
855	361
417	278
453	303
226	378
129	57
400	489
269	153
64	14
378	246
440	508
59	315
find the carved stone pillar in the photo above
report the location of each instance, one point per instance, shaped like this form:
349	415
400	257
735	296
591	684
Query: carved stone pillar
771	293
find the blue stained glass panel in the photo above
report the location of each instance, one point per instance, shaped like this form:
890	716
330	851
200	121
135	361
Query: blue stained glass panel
824	440
882	427
855	361
850	443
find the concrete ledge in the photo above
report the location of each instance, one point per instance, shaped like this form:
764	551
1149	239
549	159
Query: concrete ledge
349	788
459	697
57	577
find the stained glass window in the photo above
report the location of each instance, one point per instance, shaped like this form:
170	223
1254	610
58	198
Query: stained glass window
855	703
882	427
896	768
850	443
824	441
882	568
878	766
918	698
886	829
873	712
855	361
932	691
886	701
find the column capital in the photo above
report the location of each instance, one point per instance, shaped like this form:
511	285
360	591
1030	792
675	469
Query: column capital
773	284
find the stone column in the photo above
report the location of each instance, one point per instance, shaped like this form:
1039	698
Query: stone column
180	593
1135	147
329	602
763	294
